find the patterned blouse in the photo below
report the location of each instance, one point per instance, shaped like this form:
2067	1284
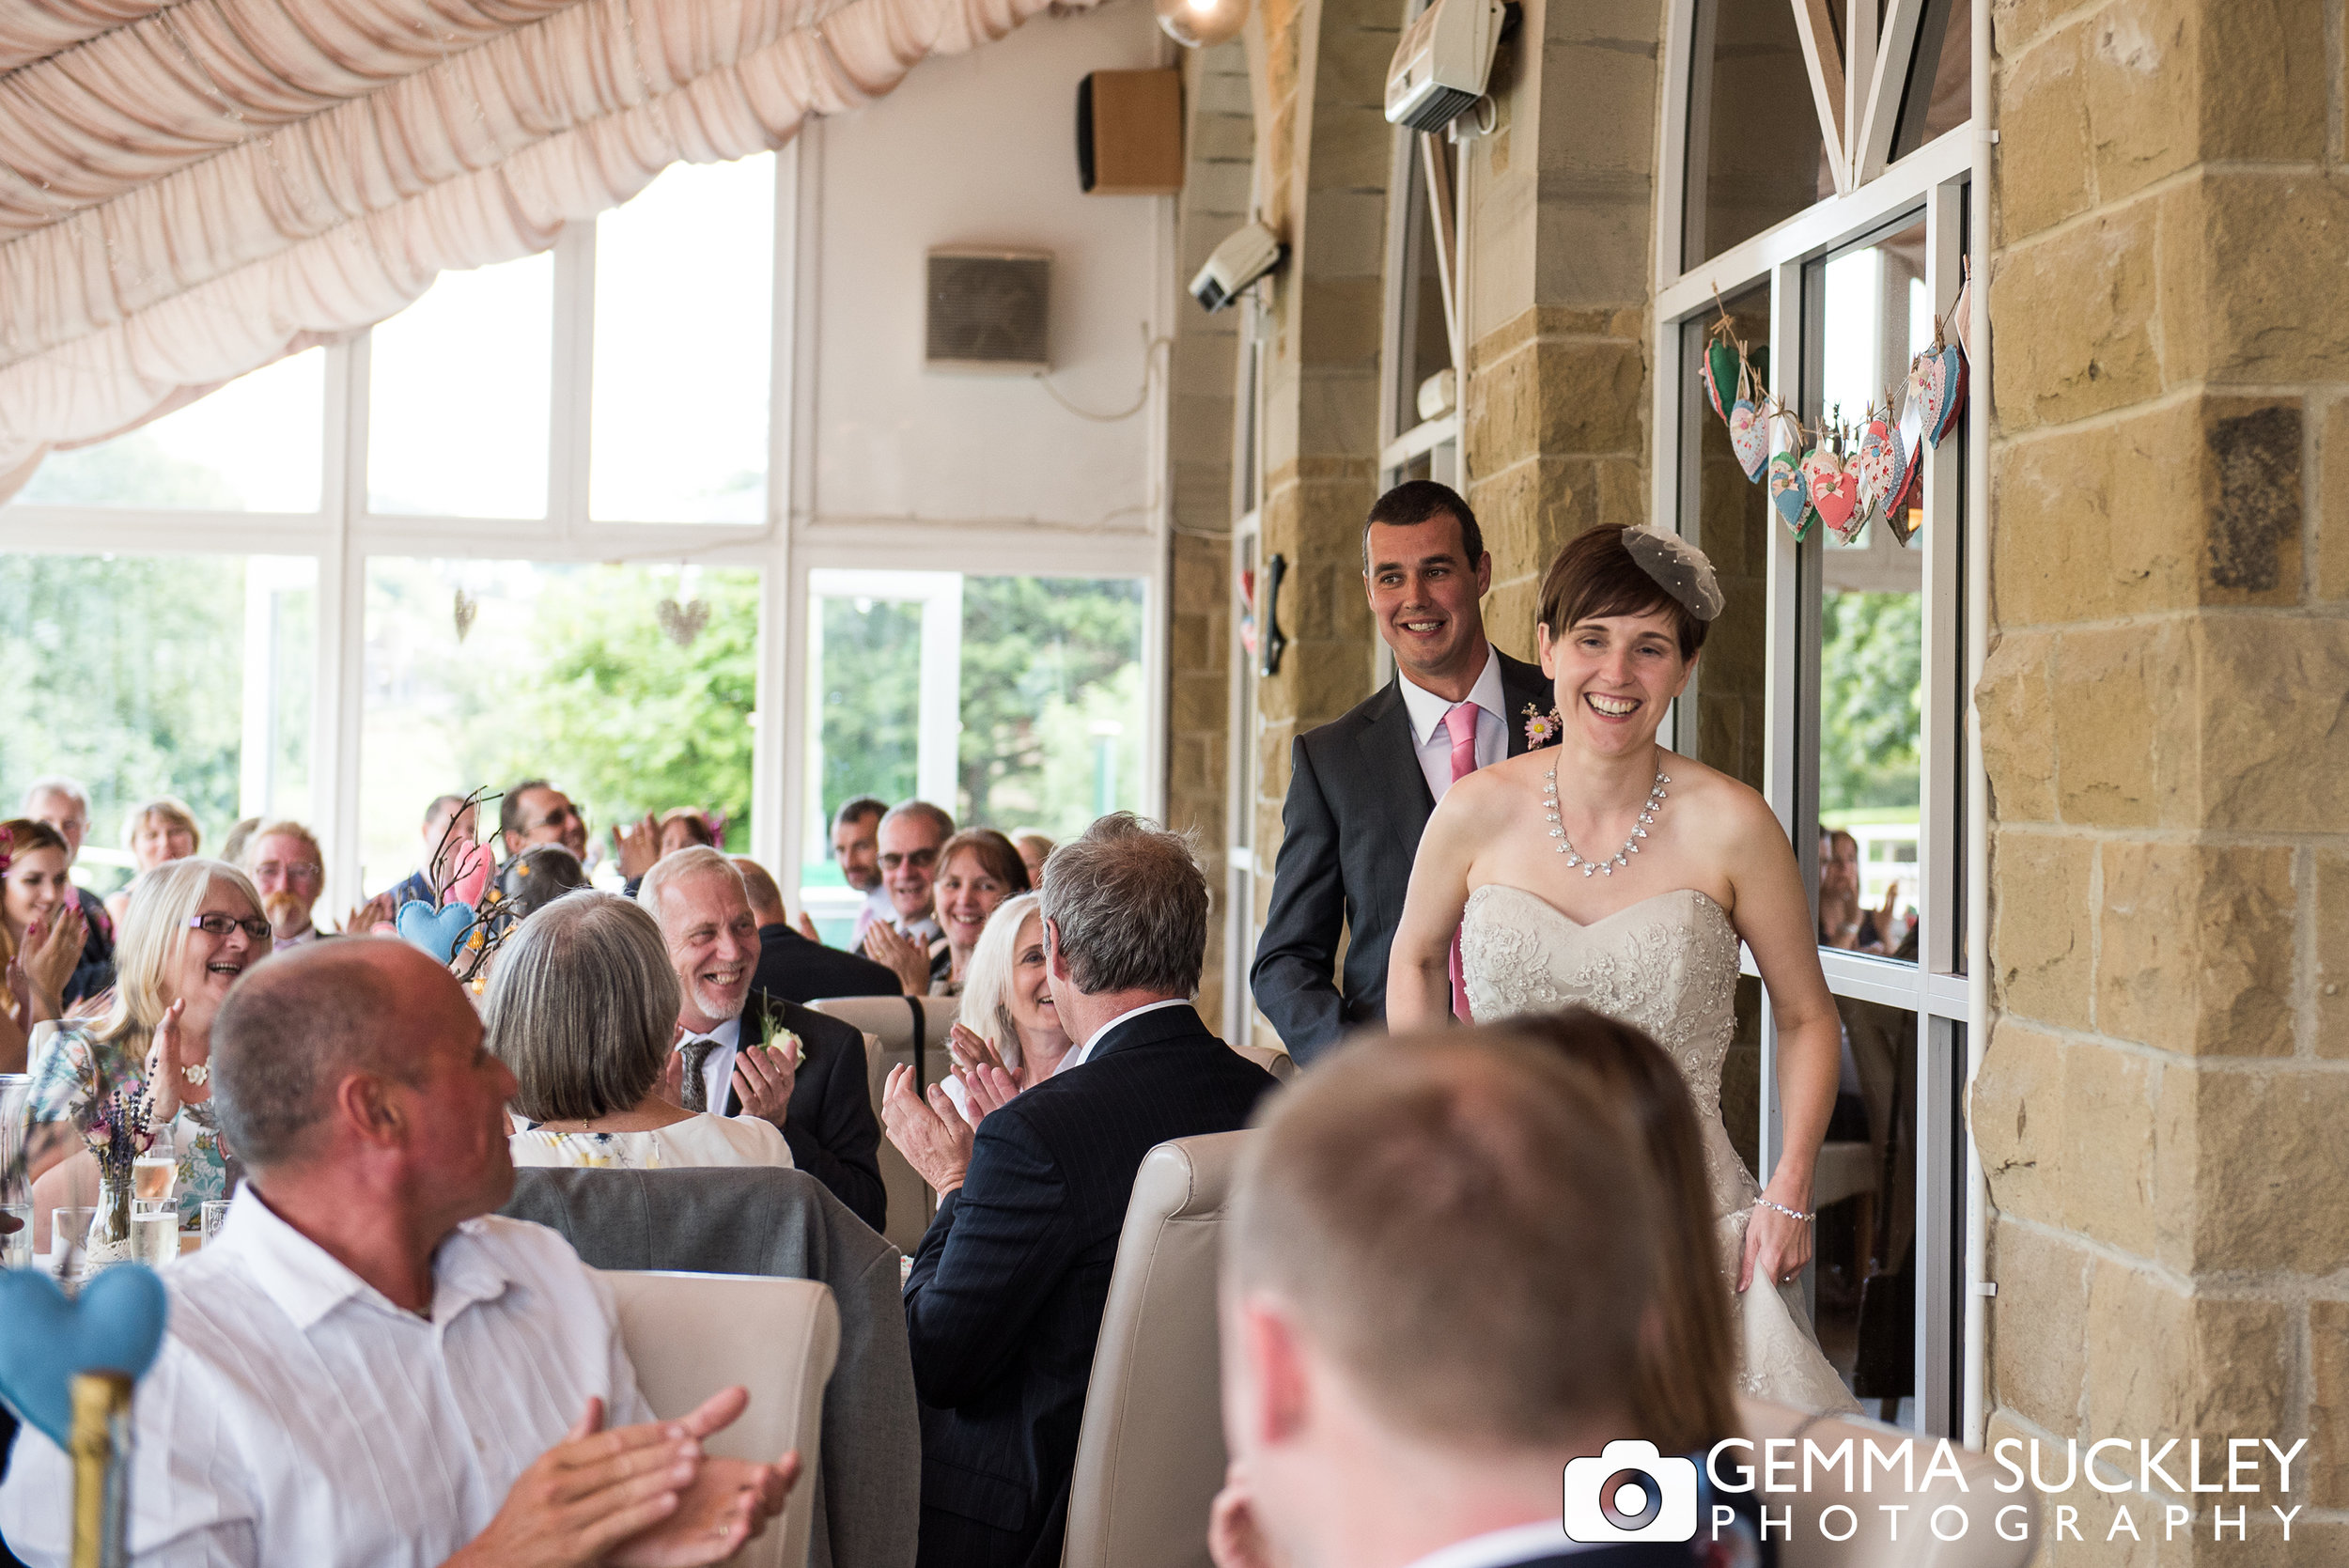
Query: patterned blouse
75	1073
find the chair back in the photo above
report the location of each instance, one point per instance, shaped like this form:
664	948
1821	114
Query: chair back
689	1335
1272	1059
1150	1455
1871	1543
890	1024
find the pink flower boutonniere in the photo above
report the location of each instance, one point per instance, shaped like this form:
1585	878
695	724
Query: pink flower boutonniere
1540	729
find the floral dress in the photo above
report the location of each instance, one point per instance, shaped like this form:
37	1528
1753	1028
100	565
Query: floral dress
73	1074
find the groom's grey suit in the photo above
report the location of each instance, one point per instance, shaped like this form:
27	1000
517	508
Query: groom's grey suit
1357	804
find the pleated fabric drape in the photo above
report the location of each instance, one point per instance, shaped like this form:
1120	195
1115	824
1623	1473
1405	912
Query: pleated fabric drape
191	189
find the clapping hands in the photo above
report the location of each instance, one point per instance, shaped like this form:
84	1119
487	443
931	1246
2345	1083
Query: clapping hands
885	944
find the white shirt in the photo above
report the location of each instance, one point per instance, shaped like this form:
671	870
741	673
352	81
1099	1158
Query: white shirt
699	1139
1077	1057
1499	1548
1434	740
718	1068
296	1416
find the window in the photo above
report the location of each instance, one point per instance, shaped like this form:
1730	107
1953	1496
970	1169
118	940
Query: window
457	396
1755	155
252	446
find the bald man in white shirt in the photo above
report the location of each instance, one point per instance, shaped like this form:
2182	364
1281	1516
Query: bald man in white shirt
368	1366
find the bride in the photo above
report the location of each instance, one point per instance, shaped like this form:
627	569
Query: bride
1605	870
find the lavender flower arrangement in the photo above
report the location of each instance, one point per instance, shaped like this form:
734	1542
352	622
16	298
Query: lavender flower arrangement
117	1135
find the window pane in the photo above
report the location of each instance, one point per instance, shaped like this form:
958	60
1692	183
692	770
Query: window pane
1729	516
1015	702
685	287
151	674
457	405
1872	316
1424	334
1866	1197
574	673
255	445
1940	93
1755	156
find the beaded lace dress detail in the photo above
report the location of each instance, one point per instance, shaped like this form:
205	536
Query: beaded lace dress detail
1667	965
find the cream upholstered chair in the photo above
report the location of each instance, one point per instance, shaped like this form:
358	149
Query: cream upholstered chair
1272	1059
1150	1455
1872	1543
890	1026
690	1335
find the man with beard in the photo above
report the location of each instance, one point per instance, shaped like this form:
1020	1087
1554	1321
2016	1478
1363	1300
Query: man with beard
284	861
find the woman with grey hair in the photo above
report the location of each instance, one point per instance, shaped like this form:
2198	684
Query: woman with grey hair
1008	1016
583	1008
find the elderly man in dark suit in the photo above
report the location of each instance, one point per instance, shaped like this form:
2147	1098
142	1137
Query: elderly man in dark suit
1361	788
1005	1298
732	1057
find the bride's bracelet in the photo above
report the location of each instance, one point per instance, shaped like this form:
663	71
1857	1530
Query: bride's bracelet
1791	1214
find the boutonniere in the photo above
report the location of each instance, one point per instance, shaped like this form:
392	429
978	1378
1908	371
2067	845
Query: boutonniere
774	1036
1540	729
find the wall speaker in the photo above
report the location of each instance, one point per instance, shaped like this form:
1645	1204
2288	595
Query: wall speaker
989	311
1129	132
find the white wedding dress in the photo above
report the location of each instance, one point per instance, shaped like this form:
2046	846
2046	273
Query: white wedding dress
1667	965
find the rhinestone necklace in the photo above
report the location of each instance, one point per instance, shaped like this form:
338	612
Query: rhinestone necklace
1630	846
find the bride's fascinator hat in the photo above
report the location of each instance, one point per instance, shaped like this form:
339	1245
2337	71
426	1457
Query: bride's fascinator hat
1679	568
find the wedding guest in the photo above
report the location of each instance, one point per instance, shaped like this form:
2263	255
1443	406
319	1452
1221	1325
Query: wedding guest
743	1052
1009	1023
63	805
288	866
856	845
450	826
538	877
794	965
239	834
685	827
1034	849
583	1008
1363	786
161	830
977	869
1845	922
192	928
1005	1300
482	1408
1481	1202
908	939
535	812
42	933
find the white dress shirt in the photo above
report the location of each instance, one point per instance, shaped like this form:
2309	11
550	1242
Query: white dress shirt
1501	1547
1434	740
718	1067
1077	1057
701	1140
296	1416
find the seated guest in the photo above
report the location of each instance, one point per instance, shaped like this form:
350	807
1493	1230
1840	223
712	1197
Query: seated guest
470	1363
42	933
907	939
450	828
685	827
239	834
64	805
583	1008
538	877
161	830
1005	1300
746	1053
286	865
1034	849
535	812
193	927
1438	1260
1008	1017
856	845
795	966
977	869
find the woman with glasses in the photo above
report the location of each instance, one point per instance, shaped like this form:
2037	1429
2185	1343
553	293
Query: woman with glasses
192	928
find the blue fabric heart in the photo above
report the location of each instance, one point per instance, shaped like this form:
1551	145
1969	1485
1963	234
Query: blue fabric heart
116	1325
437	931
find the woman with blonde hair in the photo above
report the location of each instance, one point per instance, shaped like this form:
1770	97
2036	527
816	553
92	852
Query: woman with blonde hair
193	927
1009	1025
158	832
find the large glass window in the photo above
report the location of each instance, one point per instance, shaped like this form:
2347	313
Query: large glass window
1940	92
1755	154
457	403
253	446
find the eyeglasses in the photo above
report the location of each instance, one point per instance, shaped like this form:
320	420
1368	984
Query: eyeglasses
218	924
290	870
920	859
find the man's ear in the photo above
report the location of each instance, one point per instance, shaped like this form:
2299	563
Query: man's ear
1276	1376
369	1110
1053	962
1484	574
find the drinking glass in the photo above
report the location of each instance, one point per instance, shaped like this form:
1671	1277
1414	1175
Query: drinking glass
16	1193
154	1231
68	1241
154	1173
16	1244
215	1215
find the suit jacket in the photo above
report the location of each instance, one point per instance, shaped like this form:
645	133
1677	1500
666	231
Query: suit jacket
828	1121
94	970
1005	1298
791	967
1356	807
761	1220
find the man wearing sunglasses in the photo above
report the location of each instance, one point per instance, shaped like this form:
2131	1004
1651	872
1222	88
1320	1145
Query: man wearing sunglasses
535	812
911	835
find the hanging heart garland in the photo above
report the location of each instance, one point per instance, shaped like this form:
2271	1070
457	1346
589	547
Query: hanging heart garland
1881	463
1749	429
1724	366
1834	491
1949	366
1790	497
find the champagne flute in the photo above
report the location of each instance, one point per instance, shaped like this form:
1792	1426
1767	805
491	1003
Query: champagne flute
155	1173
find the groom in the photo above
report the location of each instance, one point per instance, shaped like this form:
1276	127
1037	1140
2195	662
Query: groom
1360	789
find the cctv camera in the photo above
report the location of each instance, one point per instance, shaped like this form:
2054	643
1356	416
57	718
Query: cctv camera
1443	63
1238	262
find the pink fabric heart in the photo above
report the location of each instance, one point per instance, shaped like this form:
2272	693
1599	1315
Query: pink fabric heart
1881	464
1749	438
472	874
1837	498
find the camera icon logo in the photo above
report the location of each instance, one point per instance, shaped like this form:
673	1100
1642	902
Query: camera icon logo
1630	1493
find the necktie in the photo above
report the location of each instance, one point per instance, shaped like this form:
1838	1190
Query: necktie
1461	723
696	1054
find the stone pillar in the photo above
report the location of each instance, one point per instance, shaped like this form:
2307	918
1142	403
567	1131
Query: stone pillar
2163	1104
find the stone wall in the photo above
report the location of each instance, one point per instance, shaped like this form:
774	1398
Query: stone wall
2162	1107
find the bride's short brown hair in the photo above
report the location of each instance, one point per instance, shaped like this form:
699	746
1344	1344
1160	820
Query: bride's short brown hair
1594	575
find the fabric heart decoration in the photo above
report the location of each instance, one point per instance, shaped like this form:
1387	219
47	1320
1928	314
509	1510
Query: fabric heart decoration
116	1325
436	931
1950	371
1749	438
1911	436
1881	463
1834	493
1724	365
1790	497
475	864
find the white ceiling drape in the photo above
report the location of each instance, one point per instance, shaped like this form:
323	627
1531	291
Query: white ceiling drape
190	188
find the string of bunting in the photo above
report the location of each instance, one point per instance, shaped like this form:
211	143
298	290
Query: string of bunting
1843	475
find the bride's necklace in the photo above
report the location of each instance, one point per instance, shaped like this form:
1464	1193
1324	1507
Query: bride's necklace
1630	846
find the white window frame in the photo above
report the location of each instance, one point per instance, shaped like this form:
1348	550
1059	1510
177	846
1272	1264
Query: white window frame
1936	182
343	536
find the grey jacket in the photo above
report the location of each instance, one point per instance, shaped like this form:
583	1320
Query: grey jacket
785	1224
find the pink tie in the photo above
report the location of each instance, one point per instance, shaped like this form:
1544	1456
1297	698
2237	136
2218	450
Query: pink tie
1461	723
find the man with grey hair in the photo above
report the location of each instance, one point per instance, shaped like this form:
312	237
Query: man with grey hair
1004	1302
910	834
385	1371
742	1051
63	805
